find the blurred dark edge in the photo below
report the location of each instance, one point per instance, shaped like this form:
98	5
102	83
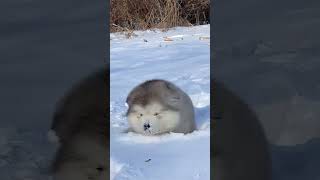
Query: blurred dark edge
46	47
212	35
268	53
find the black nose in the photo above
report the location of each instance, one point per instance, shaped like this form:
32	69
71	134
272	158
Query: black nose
146	126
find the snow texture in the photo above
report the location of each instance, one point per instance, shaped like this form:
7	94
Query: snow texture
271	60
268	53
180	55
24	155
25	152
42	54
277	39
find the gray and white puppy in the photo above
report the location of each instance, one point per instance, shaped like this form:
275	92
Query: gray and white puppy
158	106
240	148
81	128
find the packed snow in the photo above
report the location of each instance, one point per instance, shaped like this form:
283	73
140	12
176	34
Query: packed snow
180	55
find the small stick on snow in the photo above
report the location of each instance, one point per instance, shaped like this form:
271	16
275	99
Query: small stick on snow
167	39
203	38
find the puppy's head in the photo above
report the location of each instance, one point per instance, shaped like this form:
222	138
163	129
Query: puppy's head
152	119
153	107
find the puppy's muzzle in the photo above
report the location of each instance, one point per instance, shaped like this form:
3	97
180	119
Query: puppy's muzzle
146	126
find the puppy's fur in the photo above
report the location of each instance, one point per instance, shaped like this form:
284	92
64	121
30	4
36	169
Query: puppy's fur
82	131
240	149
157	107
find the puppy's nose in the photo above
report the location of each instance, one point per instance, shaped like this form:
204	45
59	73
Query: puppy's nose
146	126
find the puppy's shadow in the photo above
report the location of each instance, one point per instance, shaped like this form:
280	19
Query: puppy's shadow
127	130
202	117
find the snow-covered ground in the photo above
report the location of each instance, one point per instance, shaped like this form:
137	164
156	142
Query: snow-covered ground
53	50
24	154
43	53
268	52
180	55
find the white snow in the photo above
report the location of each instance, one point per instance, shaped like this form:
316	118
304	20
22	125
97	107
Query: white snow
180	55
25	152
115	168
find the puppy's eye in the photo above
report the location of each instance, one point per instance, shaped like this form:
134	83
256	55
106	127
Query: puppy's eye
156	114
140	115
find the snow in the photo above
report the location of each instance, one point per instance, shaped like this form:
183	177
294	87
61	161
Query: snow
115	168
24	154
180	55
43	52
268	53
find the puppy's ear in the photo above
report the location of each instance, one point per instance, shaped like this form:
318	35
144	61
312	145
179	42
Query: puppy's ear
173	96
128	101
169	86
131	96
